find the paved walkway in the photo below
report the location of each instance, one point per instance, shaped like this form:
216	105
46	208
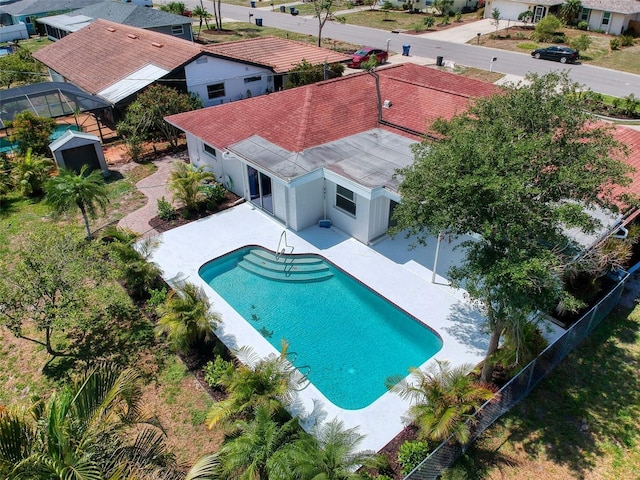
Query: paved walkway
154	187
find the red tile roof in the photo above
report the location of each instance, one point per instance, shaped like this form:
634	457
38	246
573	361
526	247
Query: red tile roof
104	52
630	138
315	114
278	54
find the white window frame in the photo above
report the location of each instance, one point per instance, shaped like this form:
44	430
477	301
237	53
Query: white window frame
213	93
177	30
209	150
346	200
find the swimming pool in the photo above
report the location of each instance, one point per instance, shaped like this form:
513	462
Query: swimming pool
346	337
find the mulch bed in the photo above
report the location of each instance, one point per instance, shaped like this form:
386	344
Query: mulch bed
160	225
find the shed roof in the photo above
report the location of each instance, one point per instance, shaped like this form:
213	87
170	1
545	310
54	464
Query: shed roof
70	135
69	23
278	54
104	53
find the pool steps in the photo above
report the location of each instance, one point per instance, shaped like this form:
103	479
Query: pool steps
286	268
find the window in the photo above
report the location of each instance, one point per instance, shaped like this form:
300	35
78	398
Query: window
345	200
177	30
28	19
605	18
584	14
252	79
216	90
210	150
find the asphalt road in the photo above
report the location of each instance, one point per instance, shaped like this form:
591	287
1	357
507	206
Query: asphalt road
602	80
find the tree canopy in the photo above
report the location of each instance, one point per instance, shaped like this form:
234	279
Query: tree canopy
517	169
145	116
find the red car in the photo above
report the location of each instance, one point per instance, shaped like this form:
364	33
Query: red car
365	53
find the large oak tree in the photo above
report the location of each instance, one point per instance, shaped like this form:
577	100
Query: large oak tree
518	170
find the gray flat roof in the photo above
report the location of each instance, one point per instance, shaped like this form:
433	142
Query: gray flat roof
369	158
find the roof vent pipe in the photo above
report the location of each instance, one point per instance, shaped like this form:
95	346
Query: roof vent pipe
111	29
132	35
156	44
387	104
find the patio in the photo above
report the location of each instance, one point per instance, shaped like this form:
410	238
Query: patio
389	267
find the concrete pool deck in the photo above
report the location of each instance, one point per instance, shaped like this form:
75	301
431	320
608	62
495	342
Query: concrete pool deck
389	267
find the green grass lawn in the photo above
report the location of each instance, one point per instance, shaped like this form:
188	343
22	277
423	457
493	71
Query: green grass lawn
580	422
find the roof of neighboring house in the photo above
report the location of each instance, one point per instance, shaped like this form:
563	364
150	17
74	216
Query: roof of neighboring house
29	7
334	124
278	54
69	23
132	15
631	138
100	56
616	6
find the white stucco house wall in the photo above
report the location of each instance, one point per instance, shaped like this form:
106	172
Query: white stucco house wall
298	156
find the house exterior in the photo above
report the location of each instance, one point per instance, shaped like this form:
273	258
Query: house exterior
27	11
116	61
327	151
232	71
133	15
610	16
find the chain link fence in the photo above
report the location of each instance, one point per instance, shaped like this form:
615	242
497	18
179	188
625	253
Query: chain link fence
520	386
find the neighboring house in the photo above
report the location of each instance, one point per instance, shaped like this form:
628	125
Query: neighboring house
610	16
59	26
247	68
27	11
328	150
116	61
427	5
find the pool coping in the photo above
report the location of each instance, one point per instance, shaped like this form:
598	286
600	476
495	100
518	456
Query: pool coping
390	268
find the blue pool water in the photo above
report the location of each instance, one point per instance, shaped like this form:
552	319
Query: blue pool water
349	338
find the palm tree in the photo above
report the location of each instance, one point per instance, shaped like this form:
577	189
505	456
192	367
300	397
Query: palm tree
186	317
203	15
255	382
79	433
570	10
259	449
177	8
444	399
186	181
30	173
84	190
329	453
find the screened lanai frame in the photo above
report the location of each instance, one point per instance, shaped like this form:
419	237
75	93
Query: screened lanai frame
48	99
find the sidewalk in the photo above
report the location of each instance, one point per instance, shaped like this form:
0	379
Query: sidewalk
154	187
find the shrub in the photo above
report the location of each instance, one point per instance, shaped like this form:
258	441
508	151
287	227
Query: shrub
214	193
157	296
614	44
165	210
547	27
387	6
582	25
631	104
626	40
559	38
216	370
429	22
410	454
481	13
458	16
446	20
581	42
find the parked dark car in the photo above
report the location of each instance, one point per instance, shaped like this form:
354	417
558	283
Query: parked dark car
557	53
365	53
